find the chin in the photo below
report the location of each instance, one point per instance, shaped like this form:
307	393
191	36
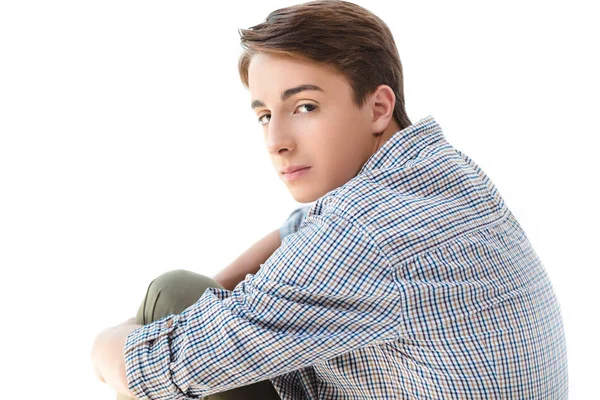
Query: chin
303	196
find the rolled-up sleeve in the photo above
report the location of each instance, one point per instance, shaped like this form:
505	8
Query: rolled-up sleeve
327	290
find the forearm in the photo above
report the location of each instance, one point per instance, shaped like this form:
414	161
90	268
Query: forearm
108	358
249	261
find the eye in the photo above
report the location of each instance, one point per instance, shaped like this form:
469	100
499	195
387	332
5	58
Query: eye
260	119
309	106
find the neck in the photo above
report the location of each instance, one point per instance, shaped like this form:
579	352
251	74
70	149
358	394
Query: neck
391	129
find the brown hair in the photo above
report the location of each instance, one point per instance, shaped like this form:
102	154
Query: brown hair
344	35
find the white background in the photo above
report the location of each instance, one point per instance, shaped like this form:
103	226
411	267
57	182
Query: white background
128	148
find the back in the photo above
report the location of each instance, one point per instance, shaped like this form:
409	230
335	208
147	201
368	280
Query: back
478	316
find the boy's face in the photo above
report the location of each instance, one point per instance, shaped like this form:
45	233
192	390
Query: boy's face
322	129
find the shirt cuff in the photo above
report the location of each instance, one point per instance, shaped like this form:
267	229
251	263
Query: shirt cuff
148	355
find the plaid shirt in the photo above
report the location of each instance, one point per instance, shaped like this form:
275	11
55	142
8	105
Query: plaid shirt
412	280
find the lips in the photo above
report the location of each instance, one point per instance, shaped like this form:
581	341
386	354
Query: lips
293	168
297	173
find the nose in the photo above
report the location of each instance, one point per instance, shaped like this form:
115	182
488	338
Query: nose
278	139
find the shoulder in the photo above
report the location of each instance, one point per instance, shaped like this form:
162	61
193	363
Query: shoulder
406	209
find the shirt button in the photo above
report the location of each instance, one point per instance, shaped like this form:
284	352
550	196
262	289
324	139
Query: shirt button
169	323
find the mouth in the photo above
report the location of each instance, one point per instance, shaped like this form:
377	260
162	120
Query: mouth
297	174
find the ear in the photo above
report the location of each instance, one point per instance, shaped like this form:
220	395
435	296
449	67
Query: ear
383	100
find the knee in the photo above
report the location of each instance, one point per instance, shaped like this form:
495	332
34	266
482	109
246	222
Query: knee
171	280
174	291
181	283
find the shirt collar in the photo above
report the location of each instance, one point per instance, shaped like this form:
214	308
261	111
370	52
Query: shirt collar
398	149
401	146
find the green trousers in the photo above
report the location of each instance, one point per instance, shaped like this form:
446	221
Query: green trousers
173	292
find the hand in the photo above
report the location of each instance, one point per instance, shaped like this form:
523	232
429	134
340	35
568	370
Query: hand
107	356
95	357
96	370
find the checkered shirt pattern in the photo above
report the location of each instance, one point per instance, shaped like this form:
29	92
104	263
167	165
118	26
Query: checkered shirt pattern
411	281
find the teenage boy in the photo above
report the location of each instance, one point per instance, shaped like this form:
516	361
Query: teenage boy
408	277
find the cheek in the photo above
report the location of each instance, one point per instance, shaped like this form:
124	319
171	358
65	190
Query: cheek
335	139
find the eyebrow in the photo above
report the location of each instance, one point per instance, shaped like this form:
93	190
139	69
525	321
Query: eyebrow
288	93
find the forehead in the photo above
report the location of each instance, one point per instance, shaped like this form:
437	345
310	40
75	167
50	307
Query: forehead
269	75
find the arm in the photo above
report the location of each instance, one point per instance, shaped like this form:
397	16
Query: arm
327	290
248	262
107	352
